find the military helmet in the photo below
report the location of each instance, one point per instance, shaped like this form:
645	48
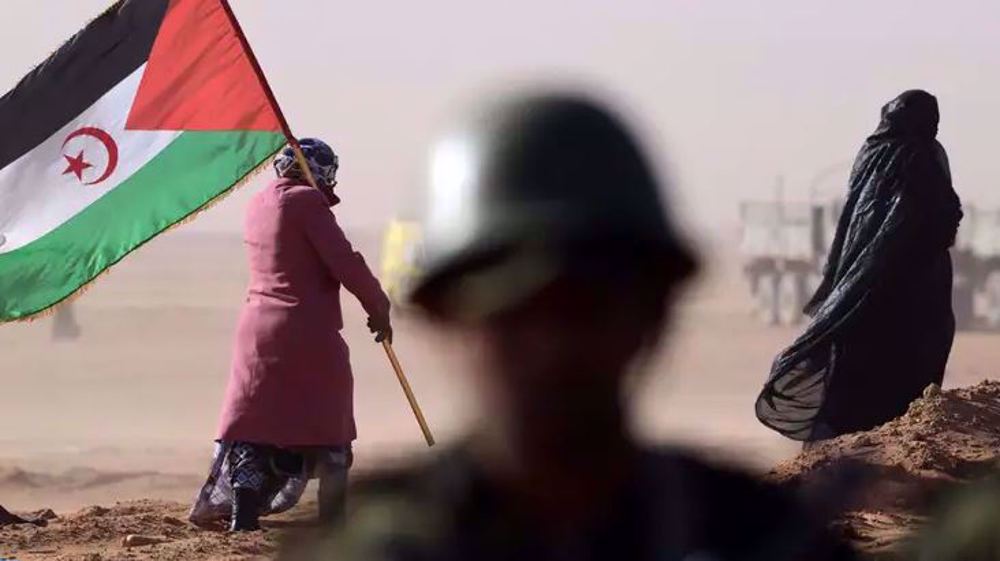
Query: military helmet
532	186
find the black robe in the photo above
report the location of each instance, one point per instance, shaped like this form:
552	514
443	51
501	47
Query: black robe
882	324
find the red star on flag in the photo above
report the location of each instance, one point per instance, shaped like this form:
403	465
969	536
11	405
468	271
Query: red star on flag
76	165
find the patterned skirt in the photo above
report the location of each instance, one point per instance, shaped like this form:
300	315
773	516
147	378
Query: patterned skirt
279	476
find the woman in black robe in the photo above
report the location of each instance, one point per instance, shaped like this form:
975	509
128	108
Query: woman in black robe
882	323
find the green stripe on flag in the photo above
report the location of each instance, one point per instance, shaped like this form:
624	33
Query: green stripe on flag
193	170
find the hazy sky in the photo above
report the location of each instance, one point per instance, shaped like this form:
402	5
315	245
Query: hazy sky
730	94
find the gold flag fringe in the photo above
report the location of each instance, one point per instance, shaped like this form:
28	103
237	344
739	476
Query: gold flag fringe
46	312
79	292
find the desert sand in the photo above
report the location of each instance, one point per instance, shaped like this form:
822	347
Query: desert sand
901	471
123	417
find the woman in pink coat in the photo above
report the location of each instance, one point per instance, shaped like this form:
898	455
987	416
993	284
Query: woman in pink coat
288	409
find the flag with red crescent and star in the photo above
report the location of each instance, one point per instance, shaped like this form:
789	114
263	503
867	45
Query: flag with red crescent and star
147	115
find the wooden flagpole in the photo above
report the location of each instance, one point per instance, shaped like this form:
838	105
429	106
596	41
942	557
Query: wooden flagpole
304	165
409	392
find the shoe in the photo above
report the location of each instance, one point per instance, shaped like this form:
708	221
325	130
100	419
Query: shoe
246	511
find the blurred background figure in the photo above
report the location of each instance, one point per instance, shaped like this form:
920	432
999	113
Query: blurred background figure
64	324
882	325
289	407
551	263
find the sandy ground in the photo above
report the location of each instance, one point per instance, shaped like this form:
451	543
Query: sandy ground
892	479
128	411
144	529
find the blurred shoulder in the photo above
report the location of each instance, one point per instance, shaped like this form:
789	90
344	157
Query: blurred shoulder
669	474
718	490
435	507
400	513
701	469
714	498
439	478
735	511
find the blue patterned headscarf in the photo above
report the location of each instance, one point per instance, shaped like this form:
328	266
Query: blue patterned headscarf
323	162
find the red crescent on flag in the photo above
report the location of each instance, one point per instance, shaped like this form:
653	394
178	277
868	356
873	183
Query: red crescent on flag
109	145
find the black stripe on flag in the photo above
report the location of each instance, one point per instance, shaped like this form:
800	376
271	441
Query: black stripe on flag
96	59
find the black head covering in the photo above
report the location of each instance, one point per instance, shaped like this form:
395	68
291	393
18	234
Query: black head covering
914	115
900	217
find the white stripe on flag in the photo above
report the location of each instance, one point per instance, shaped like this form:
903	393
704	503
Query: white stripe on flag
38	193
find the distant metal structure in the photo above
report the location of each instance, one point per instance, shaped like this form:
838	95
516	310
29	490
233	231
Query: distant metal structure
977	267
784	246
64	324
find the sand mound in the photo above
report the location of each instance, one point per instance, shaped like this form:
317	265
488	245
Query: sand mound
100	534
888	478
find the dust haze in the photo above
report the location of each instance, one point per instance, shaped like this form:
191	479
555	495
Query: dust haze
730	95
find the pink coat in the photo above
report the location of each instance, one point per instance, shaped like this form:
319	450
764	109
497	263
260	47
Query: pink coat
291	383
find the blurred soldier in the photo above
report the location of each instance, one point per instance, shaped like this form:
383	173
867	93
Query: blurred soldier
551	262
882	323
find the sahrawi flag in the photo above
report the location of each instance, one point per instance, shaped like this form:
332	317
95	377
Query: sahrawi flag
147	115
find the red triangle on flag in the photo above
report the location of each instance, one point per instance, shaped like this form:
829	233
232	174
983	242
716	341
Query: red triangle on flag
200	77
